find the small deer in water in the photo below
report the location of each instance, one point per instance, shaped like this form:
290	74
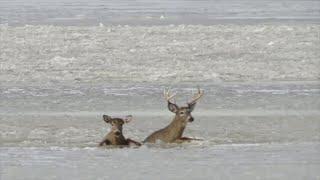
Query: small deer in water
173	132
115	136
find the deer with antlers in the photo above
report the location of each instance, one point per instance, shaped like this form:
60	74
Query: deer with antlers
173	132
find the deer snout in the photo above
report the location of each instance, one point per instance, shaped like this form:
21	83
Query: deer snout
191	119
116	131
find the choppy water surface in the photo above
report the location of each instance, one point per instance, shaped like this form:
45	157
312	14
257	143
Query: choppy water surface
220	53
297	161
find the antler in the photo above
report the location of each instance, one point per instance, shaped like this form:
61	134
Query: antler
167	95
196	96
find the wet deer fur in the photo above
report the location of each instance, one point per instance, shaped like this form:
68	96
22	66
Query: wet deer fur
174	131
115	136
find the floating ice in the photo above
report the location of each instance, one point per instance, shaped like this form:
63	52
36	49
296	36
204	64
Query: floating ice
45	54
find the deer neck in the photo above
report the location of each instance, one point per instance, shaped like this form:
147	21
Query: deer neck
116	139
176	128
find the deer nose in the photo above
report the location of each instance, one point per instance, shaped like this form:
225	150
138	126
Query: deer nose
191	119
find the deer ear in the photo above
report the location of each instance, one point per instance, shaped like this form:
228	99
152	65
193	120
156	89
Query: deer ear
191	106
172	107
128	118
106	118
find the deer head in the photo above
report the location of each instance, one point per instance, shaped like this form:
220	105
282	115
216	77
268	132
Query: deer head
116	123
182	113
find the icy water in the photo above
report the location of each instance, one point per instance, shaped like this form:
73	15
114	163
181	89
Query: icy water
63	64
250	131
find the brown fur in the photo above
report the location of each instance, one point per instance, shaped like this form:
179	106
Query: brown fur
174	131
115	136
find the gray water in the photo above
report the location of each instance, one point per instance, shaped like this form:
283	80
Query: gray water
151	12
250	131
63	64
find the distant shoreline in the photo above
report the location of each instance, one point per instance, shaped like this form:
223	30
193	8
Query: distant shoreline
155	12
139	21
